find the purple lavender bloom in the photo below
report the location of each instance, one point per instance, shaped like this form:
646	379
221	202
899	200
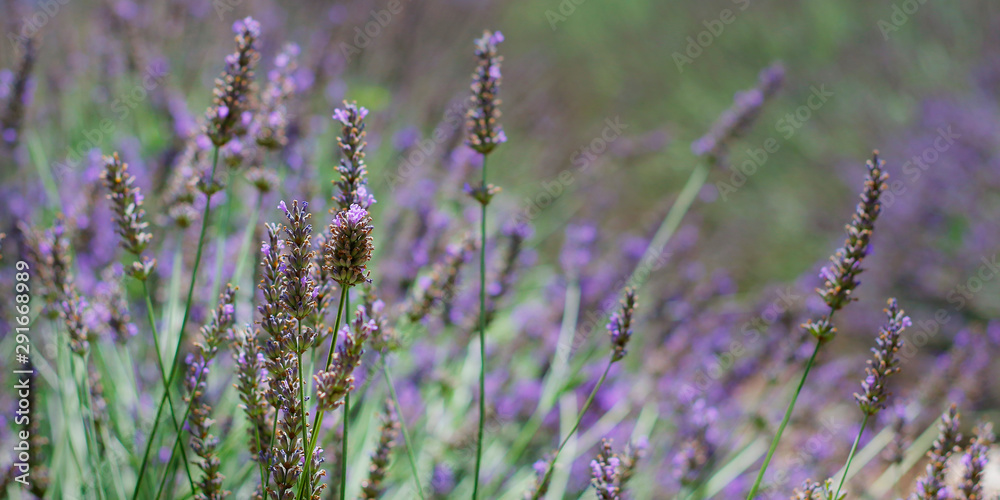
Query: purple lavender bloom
885	362
234	87
736	120
485	134
352	185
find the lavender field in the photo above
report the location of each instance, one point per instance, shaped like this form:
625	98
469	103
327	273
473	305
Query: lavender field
454	249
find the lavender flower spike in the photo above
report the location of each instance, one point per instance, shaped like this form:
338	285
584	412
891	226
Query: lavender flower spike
353	183
234	88
350	247
333	384
841	275
885	362
746	107
127	202
12	119
485	134
931	485
974	462
811	490
620	325
372	488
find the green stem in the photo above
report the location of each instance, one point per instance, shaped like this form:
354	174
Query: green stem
406	434
343	447
784	422
850	457
590	399
482	339
180	337
163	377
83	392
326	366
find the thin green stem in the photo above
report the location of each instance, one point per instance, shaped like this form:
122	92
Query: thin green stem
850	457
406	434
784	422
270	451
343	447
163	376
550	467
83	392
326	366
180	337
482	340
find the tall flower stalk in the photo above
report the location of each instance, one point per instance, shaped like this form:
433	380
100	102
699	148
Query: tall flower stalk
841	278
884	363
127	201
484	135
230	97
620	331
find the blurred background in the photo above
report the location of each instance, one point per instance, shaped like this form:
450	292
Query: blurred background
602	101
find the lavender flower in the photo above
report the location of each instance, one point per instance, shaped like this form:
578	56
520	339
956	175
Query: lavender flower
620	325
610	472
439	287
250	377
811	490
333	384
234	88
974	462
485	133
272	120
384	335
841	276
931	485
127	202
736	120
283	392
372	488
12	119
112	299
885	362
350	246
72	311
352	187
297	294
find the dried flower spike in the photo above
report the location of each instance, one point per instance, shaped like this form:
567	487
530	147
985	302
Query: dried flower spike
885	362
350	246
620	325
485	133
811	490
234	88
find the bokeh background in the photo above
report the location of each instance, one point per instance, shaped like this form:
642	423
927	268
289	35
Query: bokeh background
602	101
